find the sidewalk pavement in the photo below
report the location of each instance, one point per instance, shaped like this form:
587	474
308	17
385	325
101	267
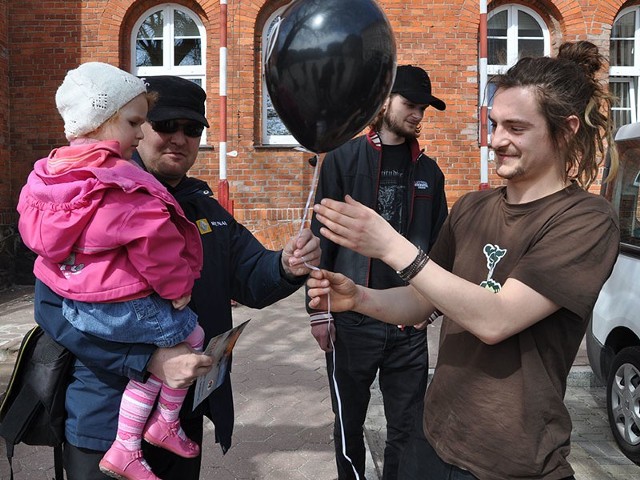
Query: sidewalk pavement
283	407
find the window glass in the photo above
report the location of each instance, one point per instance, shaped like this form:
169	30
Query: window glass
497	25
531	48
513	32
622	40
497	51
497	39
184	26
188	52
152	27
169	41
626	188
187	48
530	38
274	124
622	108
274	132
149	41
624	69
527	26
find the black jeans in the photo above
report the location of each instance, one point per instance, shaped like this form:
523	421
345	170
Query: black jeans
82	463
400	356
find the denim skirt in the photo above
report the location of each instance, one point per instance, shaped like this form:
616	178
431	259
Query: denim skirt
150	319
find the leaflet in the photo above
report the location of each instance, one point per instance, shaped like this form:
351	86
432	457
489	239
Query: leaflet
219	348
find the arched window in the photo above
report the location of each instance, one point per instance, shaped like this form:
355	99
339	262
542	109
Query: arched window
513	32
624	65
169	40
273	130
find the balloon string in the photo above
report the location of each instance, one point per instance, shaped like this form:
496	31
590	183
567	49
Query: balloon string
314	184
312	192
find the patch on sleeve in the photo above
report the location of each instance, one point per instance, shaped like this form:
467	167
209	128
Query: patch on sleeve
203	226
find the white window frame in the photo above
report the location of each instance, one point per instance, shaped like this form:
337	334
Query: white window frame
633	98
512	35
284	140
629	74
188	72
168	68
634	70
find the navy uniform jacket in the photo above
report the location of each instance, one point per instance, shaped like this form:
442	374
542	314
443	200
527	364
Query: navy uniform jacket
236	265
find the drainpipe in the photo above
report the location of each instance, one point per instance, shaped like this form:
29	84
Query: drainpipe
223	184
484	131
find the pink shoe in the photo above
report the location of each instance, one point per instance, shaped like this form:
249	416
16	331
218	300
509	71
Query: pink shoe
170	436
125	464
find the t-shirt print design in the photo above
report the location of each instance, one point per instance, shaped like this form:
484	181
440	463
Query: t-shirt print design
494	254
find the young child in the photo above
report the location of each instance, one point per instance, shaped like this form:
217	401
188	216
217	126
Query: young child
116	245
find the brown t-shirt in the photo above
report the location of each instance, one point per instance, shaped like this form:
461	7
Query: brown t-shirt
497	410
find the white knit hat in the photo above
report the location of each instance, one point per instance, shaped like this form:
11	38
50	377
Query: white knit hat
92	93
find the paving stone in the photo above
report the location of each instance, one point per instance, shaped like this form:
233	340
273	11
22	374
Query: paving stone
284	423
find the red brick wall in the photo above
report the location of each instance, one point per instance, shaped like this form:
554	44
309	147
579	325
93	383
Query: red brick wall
44	43
268	185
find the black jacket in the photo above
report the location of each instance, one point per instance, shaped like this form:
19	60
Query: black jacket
236	266
354	169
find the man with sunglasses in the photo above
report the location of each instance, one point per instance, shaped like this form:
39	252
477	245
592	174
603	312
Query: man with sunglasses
236	266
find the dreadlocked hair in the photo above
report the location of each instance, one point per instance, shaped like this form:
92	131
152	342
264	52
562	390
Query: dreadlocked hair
565	86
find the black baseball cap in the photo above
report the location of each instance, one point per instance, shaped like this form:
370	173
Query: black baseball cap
178	98
414	84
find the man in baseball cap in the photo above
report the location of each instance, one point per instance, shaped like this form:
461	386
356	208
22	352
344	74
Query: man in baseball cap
236	266
414	84
177	98
388	171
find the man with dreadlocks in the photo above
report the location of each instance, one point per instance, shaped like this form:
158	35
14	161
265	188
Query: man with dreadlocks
516	271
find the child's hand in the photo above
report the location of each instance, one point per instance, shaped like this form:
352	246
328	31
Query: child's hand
180	303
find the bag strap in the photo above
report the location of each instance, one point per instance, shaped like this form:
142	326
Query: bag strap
10	464
18	415
13	423
57	462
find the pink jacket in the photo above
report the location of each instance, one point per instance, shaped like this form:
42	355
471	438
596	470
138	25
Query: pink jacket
107	231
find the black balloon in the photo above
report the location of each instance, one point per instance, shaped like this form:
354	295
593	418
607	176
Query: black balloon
329	67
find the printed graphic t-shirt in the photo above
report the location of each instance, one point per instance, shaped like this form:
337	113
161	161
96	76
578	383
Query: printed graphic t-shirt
497	410
393	205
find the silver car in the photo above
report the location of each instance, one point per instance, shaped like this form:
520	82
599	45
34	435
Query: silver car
613	337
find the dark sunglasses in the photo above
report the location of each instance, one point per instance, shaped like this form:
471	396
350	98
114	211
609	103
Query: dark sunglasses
191	129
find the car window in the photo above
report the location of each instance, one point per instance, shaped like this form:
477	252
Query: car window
624	192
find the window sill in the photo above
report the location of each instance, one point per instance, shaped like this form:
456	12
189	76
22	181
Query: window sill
276	146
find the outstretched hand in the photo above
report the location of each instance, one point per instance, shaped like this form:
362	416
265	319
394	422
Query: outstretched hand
300	250
323	283
355	226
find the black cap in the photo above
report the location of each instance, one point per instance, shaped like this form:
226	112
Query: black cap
178	98
414	84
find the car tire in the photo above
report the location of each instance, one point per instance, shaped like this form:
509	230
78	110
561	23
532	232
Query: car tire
623	401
